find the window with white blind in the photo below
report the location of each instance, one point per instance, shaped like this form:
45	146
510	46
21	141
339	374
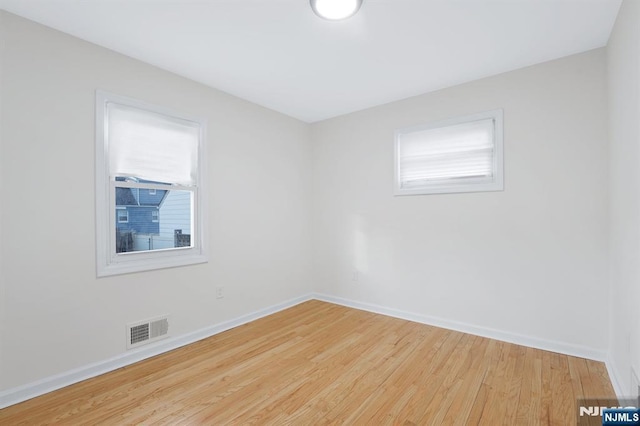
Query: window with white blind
458	155
149	181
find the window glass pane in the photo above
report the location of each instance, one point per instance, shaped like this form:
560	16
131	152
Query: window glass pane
155	221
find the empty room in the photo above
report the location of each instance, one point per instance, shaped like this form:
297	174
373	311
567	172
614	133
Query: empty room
303	212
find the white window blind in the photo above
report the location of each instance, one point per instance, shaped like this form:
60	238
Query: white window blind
450	156
151	146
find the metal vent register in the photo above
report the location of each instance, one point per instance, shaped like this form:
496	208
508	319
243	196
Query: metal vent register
144	332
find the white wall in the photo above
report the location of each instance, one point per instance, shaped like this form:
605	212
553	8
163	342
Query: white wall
531	260
623	60
56	315
3	319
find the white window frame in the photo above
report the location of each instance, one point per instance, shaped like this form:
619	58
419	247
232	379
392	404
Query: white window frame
152	192
496	183
108	262
157	216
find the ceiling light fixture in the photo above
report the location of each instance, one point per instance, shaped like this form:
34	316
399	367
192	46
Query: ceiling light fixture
335	10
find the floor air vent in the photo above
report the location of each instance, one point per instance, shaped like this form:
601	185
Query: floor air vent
144	332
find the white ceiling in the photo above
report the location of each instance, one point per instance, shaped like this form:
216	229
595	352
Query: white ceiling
278	54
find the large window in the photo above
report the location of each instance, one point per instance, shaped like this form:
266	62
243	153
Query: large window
149	181
458	155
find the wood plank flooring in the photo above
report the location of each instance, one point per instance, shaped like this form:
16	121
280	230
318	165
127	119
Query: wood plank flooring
319	363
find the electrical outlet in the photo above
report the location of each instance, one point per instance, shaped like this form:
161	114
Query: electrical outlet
355	275
219	292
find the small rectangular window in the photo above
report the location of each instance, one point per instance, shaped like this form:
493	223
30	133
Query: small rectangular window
458	155
123	215
149	164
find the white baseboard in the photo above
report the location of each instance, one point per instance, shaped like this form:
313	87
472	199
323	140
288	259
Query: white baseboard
614	375
40	387
547	345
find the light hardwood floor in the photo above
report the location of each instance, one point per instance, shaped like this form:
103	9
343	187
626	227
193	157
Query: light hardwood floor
319	363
